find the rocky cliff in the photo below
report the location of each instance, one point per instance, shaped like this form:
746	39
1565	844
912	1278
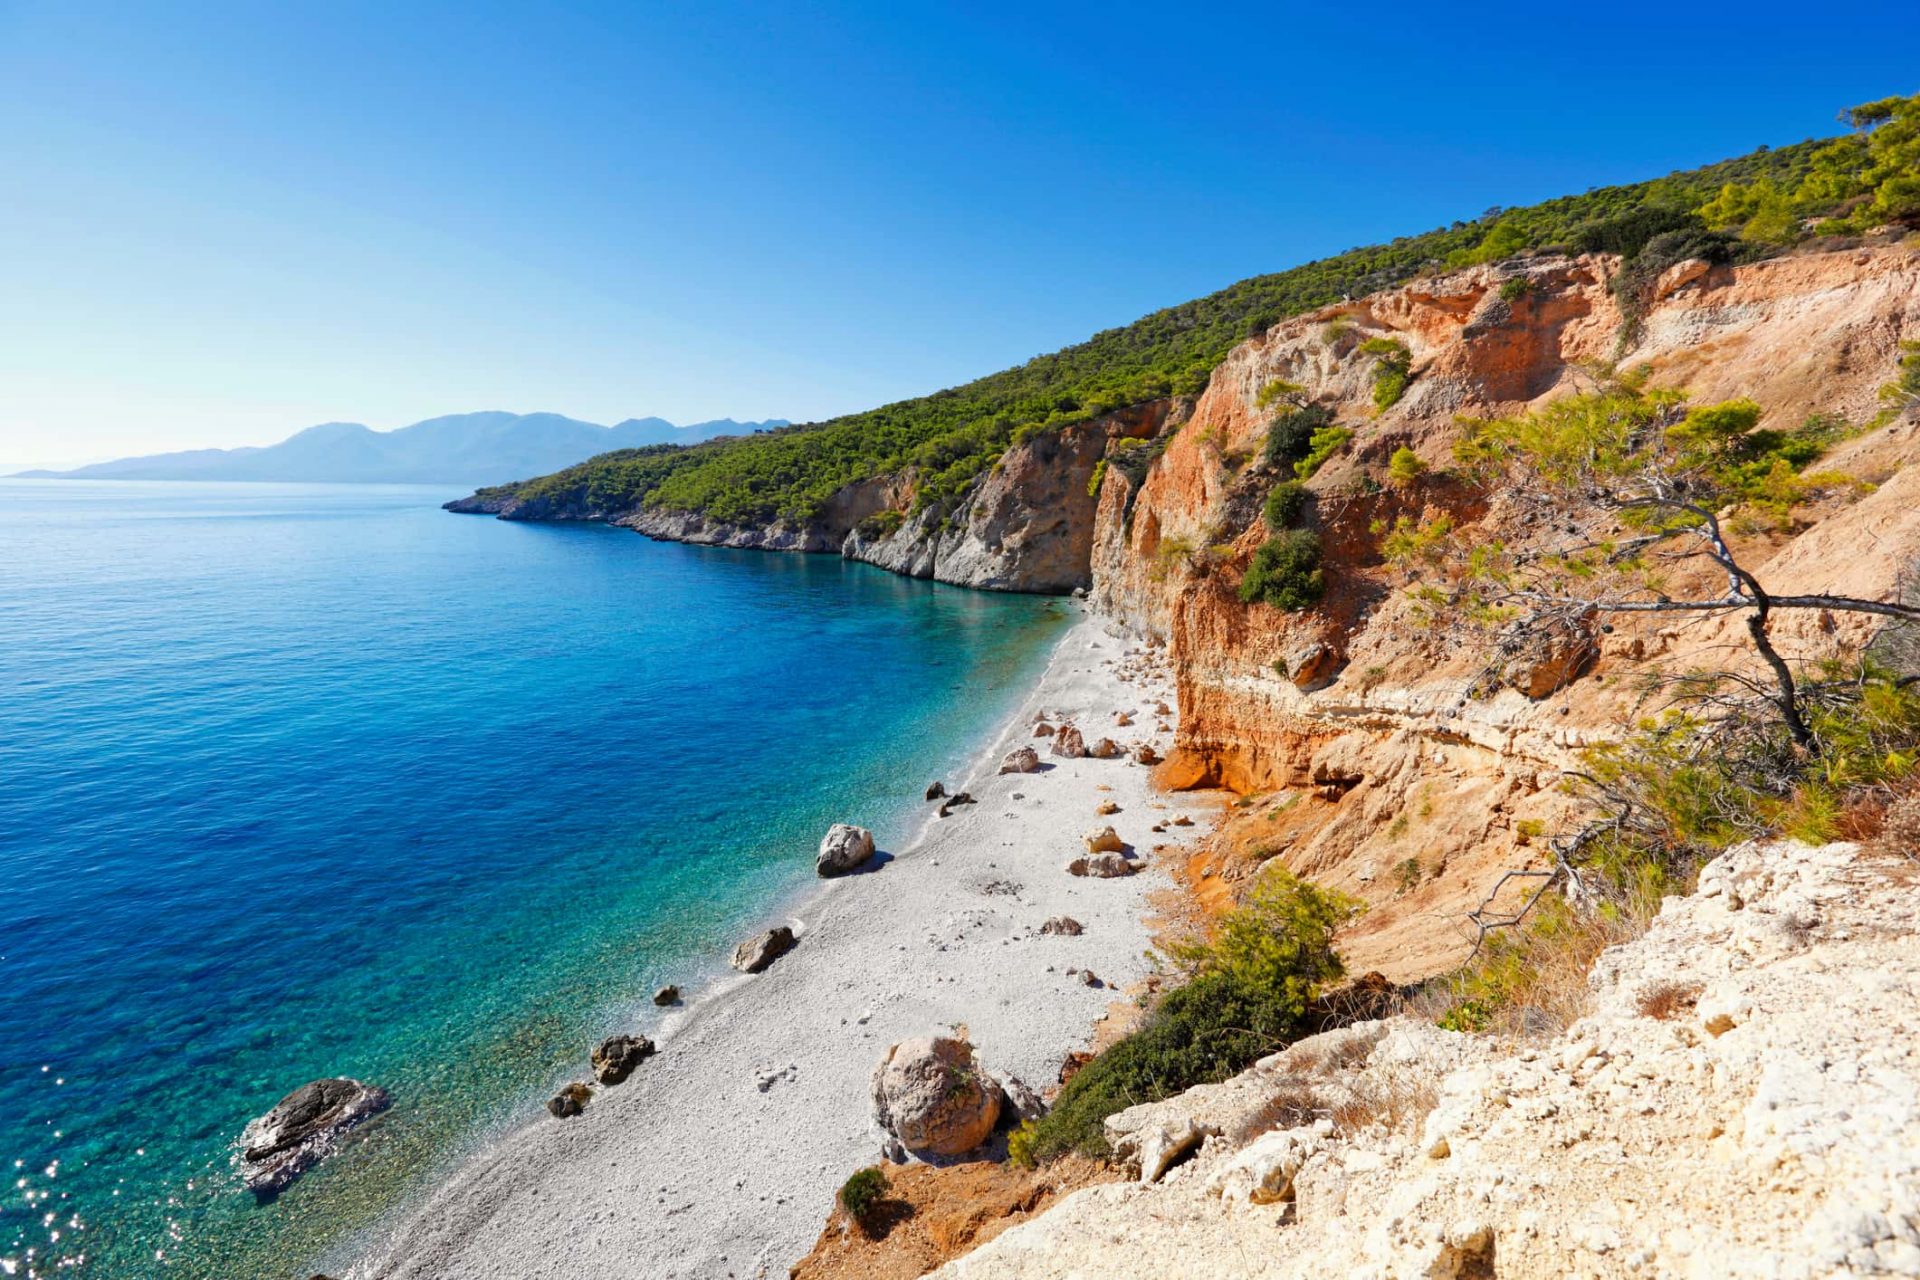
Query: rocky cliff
1364	740
1028	524
1743	1099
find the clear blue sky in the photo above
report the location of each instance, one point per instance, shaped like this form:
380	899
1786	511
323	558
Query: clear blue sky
225	222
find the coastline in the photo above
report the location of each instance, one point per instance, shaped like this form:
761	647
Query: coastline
691	1168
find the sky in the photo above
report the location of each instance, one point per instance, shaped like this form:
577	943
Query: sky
222	223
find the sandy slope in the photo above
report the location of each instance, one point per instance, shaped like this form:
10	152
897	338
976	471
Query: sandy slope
691	1169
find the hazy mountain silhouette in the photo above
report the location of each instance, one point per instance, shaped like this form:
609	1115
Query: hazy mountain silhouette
461	448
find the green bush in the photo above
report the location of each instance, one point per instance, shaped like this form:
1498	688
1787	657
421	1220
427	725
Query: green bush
1290	435
861	1193
1285	572
1405	466
1514	288
1323	444
1248	991
1284	504
1392	370
882	523
1098	478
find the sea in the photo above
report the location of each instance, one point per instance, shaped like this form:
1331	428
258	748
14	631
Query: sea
317	780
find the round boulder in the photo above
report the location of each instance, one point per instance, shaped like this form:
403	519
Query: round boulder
844	848
931	1095
1024	760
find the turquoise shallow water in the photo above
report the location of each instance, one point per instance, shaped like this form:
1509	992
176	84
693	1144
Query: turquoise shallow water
311	780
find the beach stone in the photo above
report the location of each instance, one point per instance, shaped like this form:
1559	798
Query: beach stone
1106	807
931	1095
1162	709
1105	749
954	802
844	848
936	789
1023	760
667	995
1068	744
1063	927
755	954
1122	719
617	1056
1043	730
1101	866
300	1130
1102	839
1183	821
1022	1101
570	1101
1145	754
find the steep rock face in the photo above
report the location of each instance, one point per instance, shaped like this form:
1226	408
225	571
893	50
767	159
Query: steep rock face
1028	525
1392	771
1748	1069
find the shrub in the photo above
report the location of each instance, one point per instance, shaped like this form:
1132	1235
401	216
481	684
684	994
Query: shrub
862	1193
1514	288
1285	572
1404	467
1904	390
1323	445
882	523
1098	477
1406	875
1290	436
1284	504
1392	370
1246	995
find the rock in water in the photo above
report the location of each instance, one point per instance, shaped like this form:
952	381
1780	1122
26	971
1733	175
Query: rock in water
1024	760
570	1101
617	1056
932	1097
667	995
935	790
1068	743
1103	839
844	848
300	1130
756	954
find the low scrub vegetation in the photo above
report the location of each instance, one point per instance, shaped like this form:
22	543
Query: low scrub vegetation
1285	572
1246	993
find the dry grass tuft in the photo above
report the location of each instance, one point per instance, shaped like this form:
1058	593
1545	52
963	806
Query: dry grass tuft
1668	1000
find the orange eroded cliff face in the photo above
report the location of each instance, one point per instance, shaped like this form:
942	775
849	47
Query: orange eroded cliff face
1368	764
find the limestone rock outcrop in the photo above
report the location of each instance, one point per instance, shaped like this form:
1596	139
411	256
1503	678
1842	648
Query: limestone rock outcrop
1765	1125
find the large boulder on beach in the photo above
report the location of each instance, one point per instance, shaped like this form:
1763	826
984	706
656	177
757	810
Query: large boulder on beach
936	790
1023	760
932	1098
1068	743
756	953
844	848
615	1057
301	1129
1102	839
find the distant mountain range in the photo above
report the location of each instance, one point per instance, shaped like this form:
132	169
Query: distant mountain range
462	448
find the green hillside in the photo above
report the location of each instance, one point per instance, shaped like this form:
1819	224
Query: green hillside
1755	204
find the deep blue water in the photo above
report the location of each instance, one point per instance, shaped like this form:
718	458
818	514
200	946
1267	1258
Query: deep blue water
313	780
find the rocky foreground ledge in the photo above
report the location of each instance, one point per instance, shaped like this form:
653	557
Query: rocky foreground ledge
1743	1100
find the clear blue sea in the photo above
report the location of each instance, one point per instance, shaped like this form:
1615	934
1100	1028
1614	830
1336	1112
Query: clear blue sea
300	781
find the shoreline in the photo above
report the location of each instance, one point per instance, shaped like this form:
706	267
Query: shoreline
720	1156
